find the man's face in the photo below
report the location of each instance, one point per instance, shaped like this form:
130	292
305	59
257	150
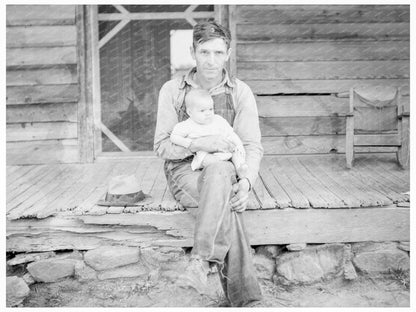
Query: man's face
202	111
211	57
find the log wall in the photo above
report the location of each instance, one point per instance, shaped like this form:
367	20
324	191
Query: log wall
301	60
42	84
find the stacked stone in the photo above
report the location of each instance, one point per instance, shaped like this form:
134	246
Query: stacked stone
294	264
105	262
302	264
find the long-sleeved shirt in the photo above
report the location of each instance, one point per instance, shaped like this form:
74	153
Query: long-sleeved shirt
246	122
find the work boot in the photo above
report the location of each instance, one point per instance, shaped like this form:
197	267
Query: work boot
195	276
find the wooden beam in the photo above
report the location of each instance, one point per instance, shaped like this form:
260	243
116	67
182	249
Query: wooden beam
281	126
233	30
42	152
273	87
41	113
42	94
329	14
85	107
152	16
264	227
30	15
315	32
304	144
93	81
377	139
324	70
301	106
41	36
55	75
221	15
322	51
40	56
349	139
41	131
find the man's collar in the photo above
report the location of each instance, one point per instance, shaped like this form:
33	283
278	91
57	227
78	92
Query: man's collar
188	79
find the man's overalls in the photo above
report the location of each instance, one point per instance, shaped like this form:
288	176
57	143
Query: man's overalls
219	232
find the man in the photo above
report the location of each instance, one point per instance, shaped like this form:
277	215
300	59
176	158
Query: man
219	235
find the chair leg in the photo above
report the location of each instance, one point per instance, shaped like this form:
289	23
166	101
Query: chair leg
350	157
349	141
403	153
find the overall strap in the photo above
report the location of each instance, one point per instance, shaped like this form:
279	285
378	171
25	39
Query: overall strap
180	101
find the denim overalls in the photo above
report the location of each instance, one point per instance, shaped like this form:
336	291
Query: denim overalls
219	234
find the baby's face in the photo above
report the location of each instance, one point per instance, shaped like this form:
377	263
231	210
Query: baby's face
202	112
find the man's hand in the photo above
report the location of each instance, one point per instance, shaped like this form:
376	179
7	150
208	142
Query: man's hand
212	144
240	199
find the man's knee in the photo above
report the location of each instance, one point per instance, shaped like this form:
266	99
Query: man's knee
220	169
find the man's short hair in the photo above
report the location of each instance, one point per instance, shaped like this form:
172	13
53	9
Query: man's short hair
205	31
193	95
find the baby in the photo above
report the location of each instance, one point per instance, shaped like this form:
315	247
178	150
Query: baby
203	122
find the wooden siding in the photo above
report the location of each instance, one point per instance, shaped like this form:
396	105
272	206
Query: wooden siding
301	60
42	84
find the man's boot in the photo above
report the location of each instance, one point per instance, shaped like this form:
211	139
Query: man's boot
195	275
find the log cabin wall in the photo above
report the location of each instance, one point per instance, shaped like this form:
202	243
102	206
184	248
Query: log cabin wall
300	61
42	84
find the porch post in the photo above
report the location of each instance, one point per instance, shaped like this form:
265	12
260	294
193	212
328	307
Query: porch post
85	107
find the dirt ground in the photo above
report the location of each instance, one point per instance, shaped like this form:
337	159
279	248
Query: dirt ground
390	291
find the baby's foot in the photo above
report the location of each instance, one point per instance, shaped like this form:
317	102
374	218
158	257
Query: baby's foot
242	170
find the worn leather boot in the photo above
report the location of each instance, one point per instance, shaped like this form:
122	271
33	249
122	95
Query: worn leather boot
195	276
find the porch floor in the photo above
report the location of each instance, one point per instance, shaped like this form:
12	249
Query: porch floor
304	182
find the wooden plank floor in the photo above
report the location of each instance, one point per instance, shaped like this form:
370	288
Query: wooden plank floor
304	182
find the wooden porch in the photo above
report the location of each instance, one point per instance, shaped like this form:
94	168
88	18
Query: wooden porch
312	199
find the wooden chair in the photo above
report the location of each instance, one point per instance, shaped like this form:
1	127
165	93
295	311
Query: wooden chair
377	122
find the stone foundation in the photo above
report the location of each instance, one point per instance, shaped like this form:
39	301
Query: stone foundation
298	264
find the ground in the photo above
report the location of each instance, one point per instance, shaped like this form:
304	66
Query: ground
389	291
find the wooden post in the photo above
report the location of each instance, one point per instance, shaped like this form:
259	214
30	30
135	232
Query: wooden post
232	9
94	77
403	152
85	117
349	140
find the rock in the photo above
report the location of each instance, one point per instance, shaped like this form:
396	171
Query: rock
30	257
403	204
108	257
296	247
163	257
372	246
264	266
132	270
170	275
349	271
114	209
404	246
271	251
378	262
16	291
28	279
97	210
313	264
83	272
51	270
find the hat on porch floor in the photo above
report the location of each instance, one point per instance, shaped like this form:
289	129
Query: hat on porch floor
123	190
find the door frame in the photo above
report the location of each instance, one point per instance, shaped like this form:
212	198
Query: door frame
89	108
